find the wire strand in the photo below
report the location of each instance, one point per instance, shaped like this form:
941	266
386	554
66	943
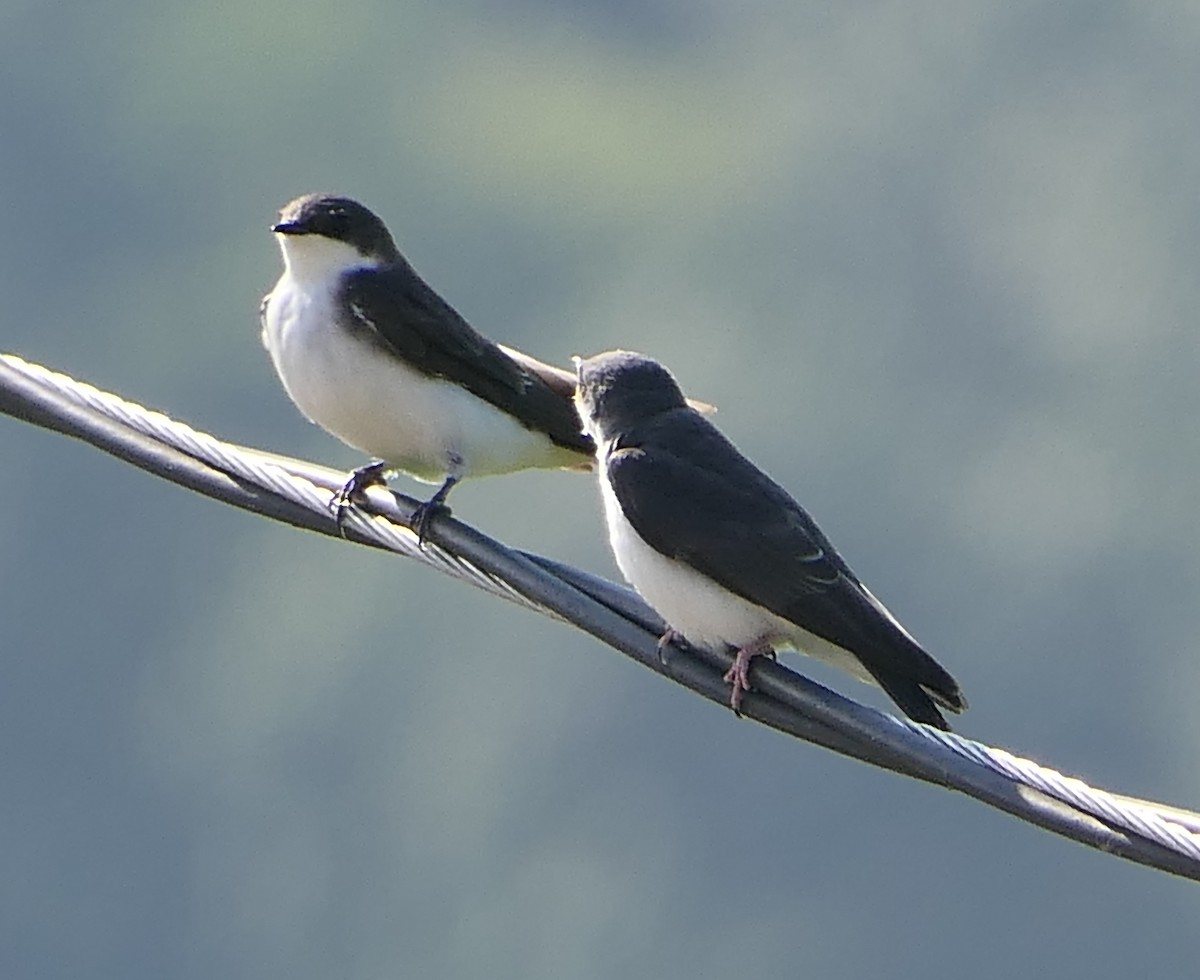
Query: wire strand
299	493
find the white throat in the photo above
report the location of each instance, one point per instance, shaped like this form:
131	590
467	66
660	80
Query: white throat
314	260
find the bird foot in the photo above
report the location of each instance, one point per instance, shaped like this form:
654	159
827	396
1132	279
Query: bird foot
435	506
738	675
423	516
664	644
370	475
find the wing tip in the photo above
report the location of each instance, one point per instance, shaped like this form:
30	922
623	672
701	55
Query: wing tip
920	702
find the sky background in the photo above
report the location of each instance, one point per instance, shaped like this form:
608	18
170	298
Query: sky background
935	263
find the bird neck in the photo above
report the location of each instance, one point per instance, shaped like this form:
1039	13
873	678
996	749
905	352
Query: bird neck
314	260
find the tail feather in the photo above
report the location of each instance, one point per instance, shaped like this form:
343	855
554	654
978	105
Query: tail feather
916	701
900	665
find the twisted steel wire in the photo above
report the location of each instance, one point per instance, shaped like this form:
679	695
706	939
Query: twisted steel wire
299	493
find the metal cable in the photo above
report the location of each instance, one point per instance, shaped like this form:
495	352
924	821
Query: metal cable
298	493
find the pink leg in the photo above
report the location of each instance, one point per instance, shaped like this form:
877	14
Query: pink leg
739	674
664	644
664	641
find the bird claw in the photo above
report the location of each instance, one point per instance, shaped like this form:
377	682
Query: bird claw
738	677
435	506
423	516
370	475
738	674
664	644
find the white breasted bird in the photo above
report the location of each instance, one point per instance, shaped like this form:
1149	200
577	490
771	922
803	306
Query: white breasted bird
724	554
372	354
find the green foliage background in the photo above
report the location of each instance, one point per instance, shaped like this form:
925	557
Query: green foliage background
937	265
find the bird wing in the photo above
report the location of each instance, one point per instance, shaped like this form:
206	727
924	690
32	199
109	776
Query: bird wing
563	381
693	497
559	379
398	311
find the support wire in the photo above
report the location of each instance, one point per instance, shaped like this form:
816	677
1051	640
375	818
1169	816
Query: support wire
298	493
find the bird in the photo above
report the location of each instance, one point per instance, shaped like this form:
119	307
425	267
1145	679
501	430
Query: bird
372	354
724	554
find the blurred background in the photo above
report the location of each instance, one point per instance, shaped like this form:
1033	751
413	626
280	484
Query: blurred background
936	265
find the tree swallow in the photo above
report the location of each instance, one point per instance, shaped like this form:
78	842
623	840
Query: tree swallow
724	554
373	355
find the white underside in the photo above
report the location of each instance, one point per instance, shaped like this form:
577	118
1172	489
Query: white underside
426	427
707	614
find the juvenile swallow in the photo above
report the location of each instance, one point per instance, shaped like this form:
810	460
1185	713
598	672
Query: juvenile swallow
724	554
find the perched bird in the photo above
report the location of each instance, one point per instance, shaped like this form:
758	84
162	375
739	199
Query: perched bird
724	554
372	354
